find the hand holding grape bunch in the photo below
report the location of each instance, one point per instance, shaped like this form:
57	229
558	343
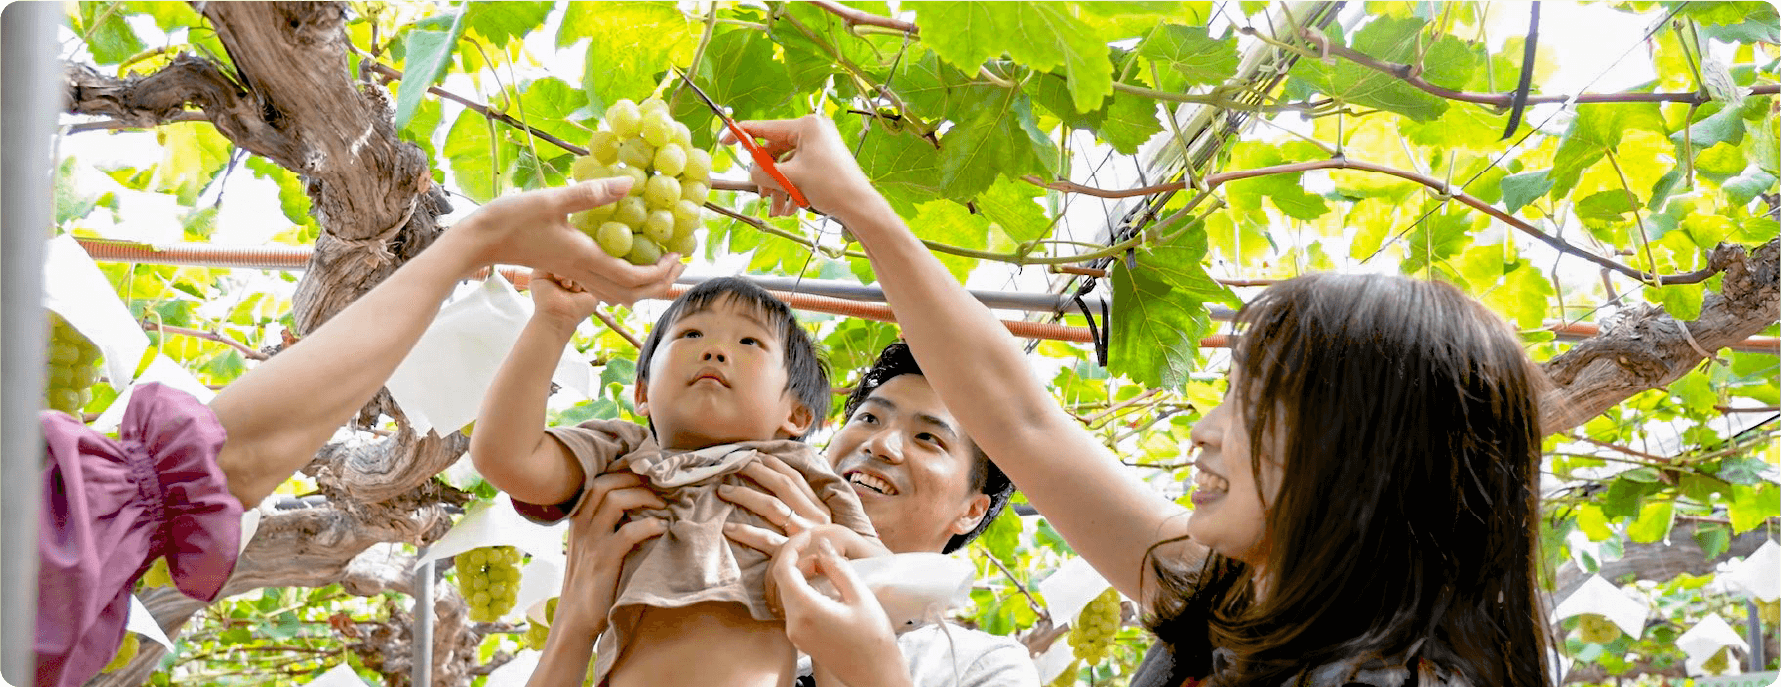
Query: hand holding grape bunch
670	180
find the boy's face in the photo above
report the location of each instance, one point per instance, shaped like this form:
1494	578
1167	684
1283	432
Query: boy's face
718	376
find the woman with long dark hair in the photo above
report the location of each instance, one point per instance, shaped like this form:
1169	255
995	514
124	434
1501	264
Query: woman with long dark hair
1366	506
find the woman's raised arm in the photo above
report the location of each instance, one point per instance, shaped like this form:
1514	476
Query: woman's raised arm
979	371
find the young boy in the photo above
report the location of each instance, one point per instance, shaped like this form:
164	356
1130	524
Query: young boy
726	376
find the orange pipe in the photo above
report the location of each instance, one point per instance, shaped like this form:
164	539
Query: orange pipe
297	257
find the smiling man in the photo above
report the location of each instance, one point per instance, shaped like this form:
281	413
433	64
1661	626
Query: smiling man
927	488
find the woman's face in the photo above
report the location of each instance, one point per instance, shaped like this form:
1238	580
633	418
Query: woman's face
1230	515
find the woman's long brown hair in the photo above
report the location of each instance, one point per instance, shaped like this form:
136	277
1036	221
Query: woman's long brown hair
1404	417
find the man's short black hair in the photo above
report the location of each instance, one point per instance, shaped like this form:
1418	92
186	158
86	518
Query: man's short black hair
807	374
895	361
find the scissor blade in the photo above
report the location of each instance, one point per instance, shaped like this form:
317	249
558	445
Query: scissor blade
701	93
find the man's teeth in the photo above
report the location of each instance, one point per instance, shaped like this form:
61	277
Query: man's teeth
872	483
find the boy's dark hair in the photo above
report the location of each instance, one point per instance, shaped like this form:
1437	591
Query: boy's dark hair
895	361
807	374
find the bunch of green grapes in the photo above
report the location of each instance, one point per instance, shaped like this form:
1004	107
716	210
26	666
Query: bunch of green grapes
670	180
72	368
1091	636
488	577
125	652
1596	629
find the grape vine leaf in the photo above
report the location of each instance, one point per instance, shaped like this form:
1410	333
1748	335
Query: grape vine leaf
1597	129
1192	58
629	43
506	20
997	137
1385	38
953	224
1037	35
428	53
1159	310
1521	189
1009	204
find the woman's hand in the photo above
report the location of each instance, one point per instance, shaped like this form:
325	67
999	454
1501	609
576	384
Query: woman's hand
812	155
532	229
847	635
598	544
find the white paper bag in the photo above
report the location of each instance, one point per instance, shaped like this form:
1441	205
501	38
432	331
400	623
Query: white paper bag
441	383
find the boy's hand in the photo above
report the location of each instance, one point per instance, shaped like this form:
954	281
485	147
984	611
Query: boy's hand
563	303
532	229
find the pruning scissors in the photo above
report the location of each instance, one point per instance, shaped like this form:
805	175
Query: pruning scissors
761	157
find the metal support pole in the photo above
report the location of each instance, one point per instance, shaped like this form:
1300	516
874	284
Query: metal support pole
29	98
1753	637
423	624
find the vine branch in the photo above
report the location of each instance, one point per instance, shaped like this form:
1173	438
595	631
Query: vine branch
218	337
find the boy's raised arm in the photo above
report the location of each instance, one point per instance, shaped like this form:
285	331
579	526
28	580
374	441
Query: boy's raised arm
509	445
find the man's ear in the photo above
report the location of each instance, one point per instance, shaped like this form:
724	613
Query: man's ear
798	423
640	398
975	509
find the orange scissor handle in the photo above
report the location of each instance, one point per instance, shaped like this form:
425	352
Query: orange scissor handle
766	162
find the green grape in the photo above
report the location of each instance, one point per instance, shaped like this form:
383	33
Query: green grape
65	400
639	179
61	375
698	165
686	210
1091	635
586	167
636	152
684	226
602	146
657	127
1596	629
631	212
661	191
696	191
125	651
1068	677
670	159
644	251
585	221
683	244
83	376
624	118
654	105
682	135
659	227
63	353
614	238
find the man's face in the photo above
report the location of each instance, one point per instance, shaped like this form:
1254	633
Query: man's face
904	456
718	376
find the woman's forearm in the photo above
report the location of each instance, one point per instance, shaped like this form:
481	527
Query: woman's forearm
279	414
981	374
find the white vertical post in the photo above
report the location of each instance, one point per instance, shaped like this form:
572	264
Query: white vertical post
30	95
423	624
